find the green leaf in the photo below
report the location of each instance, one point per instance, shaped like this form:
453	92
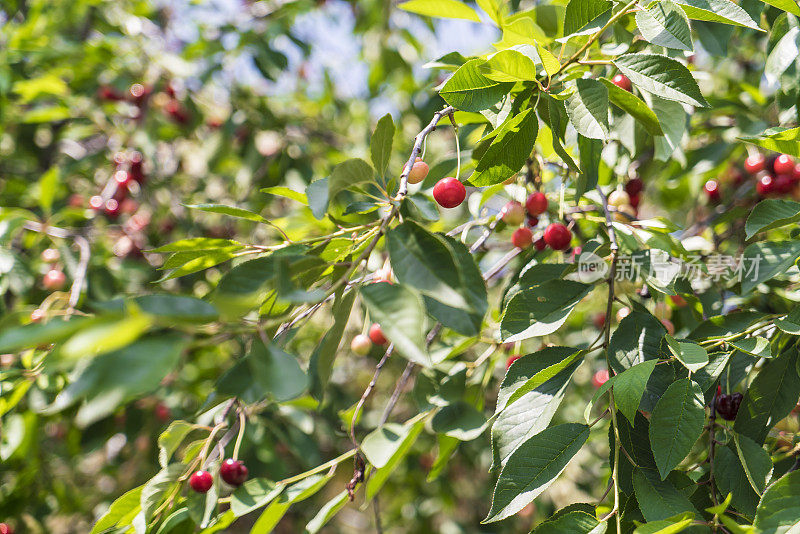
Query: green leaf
47	186
756	462
197	244
771	213
347	174
765	260
295	493
380	145
265	372
634	106
466	322
723	11
531	412
422	260
580	12
629	387
636	339
511	146
124	507
109	380
379	477
672	525
509	66
790	323
174	520
166	307
731	479
539	378
779	509
451	9
658	499
786	140
460	420
401	313
320	365
171	439
533	467
550	62
326	513
587	108
34	334
553	112
784	55
590	154
674	123
254	494
318	197
574	522
790	6
541	310
154	491
771	396
757	346
233	211
382	443
469	90
676	424
662	76
494	8
663	23
282	191
106	336
185	263
691	355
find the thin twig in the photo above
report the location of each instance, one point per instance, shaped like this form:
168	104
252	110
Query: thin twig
366	394
415	152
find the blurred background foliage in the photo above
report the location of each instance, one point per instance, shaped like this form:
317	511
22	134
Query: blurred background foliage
222	99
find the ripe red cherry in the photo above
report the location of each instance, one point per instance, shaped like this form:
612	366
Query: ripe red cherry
162	412
796	172
784	184
201	481
5	528
96	202
728	405
418	171
513	213
522	237
233	472
376	334
599	320
54	280
622	81
784	164
532	221
712	190
511	359
112	207
600	378
634	186
755	163
765	185
449	192
557	236
536	204
635	201
361	345
540	244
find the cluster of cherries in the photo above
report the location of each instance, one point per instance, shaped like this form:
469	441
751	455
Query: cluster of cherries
775	176
233	472
139	95
128	178
727	405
